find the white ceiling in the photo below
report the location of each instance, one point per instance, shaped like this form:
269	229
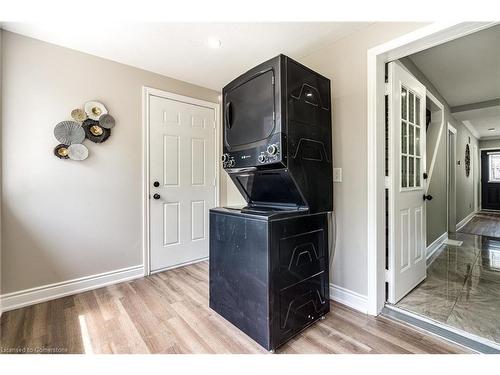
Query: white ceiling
482	120
180	50
465	70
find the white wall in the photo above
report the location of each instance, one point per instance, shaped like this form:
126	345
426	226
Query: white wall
63	219
344	63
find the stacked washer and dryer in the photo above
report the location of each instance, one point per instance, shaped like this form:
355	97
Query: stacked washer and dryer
269	261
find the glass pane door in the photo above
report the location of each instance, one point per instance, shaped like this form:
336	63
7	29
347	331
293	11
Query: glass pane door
411	127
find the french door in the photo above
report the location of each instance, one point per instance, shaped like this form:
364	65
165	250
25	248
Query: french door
407	226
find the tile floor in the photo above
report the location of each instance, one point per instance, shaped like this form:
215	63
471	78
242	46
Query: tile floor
462	288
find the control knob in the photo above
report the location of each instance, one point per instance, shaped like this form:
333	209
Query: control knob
224	157
231	163
272	150
262	158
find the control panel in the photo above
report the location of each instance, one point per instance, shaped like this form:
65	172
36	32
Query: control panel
265	153
271	154
228	161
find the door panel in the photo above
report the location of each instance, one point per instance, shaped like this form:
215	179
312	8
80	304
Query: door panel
249	111
182	161
407	232
490	180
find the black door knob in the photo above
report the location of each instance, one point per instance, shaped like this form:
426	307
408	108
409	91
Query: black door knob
156	184
156	196
427	197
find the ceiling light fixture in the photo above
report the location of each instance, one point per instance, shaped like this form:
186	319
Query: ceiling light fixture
214	43
491	129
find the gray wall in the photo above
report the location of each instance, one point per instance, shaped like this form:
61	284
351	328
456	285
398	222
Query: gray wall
62	219
436	220
489	143
35	256
344	63
437	187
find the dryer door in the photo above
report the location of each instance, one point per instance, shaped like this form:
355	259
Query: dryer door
249	113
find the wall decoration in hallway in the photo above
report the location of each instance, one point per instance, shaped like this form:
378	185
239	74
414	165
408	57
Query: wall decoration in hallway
69	132
93	122
467	160
95	132
61	151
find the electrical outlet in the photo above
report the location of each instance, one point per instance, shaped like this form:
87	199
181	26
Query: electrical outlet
337	174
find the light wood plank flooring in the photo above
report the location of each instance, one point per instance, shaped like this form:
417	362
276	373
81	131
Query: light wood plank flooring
484	223
168	313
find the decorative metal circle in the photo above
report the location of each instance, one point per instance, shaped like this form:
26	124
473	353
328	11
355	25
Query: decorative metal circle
78	115
61	151
95	132
467	160
95	110
78	152
107	121
69	132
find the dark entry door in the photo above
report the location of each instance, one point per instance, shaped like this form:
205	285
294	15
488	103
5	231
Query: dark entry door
490	179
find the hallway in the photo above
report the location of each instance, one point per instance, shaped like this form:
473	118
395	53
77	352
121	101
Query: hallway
462	288
484	223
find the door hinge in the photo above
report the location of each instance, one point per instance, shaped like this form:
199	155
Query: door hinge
274	116
387	89
215	182
272	80
387	276
387	182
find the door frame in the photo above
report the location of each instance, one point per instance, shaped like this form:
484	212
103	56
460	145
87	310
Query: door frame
475	175
480	172
416	41
440	105
450	129
147	92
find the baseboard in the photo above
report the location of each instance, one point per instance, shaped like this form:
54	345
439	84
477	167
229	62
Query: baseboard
27	297
431	249
349	298
180	265
462	223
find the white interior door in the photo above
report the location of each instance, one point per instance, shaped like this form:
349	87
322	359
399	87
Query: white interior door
407	228
182	181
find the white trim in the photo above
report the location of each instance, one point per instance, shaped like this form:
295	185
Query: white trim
27	297
447	327
147	92
476	182
465	220
349	298
421	39
435	245
180	265
479	176
450	129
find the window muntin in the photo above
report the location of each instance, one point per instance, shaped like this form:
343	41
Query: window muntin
494	167
411	156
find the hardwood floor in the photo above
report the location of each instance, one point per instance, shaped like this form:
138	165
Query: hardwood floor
168	313
484	223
